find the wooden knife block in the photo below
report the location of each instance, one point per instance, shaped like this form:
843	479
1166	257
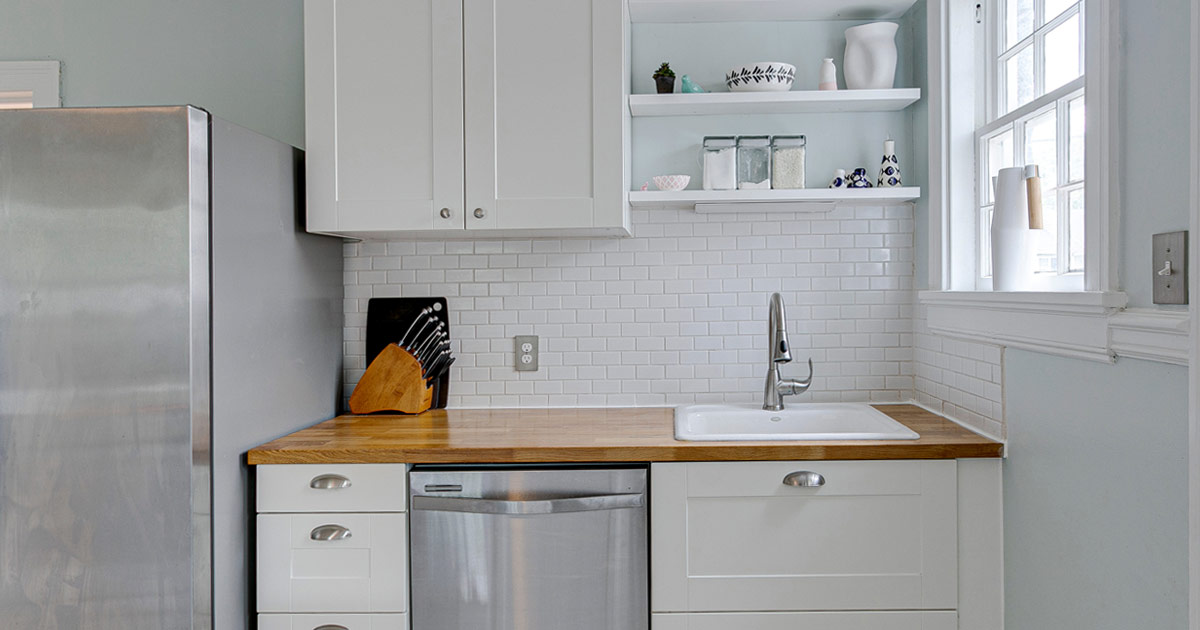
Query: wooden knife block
393	382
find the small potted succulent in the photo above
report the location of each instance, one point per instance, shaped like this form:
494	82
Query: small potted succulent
664	79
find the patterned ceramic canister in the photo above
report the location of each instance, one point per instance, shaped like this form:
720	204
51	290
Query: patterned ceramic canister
859	179
839	179
889	169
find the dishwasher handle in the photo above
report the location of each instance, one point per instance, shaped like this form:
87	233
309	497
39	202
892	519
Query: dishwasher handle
542	506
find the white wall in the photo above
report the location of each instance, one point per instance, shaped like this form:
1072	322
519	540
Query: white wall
240	60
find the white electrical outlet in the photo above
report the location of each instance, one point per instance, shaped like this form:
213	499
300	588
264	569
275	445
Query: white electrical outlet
525	356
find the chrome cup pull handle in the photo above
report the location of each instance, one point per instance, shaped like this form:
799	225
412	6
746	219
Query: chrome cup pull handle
804	479
329	532
329	482
331	626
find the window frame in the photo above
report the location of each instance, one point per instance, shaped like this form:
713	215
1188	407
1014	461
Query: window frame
991	123
956	103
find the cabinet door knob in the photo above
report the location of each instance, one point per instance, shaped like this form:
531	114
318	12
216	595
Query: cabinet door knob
329	532
479	213
329	482
445	213
804	479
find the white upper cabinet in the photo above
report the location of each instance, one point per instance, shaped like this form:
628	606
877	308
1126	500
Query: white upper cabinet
467	118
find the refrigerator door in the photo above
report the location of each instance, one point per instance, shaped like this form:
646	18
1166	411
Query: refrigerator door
529	549
104	374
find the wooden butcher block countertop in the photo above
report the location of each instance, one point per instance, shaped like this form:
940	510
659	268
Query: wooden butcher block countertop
586	435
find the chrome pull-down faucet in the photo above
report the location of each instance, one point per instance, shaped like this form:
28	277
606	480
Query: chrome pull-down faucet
780	352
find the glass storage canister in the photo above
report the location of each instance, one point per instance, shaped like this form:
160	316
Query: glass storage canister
720	162
753	162
787	162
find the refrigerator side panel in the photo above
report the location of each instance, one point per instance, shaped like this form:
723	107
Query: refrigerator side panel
277	336
95	369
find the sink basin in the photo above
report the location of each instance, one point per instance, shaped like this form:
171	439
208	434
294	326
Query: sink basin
799	421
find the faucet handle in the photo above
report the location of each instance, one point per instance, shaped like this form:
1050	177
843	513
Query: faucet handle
792	387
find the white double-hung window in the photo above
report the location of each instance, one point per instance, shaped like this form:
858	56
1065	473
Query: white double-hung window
1011	83
1031	72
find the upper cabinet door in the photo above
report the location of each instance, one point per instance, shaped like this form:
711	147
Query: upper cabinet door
384	98
545	114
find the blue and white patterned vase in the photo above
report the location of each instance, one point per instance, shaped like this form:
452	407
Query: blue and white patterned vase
859	179
889	169
839	179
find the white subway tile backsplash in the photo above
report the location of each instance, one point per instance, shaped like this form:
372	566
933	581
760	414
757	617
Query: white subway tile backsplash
960	379
676	314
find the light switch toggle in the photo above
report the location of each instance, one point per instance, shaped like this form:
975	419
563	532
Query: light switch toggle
1166	270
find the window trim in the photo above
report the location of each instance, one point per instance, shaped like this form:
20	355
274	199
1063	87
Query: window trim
42	78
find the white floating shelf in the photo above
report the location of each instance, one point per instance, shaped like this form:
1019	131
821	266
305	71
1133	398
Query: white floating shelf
765	10
808	199
806	102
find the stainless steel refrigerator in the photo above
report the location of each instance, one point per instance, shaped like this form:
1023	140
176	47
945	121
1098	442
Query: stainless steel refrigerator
161	312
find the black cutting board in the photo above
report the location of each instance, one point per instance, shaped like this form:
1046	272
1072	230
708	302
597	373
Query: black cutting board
389	318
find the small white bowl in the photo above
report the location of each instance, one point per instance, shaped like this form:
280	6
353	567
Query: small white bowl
672	182
764	76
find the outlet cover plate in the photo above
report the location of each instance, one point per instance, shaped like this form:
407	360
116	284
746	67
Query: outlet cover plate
525	353
1170	288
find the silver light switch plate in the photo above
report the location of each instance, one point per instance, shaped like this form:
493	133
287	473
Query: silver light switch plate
525	353
1170	268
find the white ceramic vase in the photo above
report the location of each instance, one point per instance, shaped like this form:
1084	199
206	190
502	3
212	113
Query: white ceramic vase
870	62
1012	241
828	76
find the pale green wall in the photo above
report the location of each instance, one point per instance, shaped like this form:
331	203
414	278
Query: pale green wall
1096	481
1095	494
242	60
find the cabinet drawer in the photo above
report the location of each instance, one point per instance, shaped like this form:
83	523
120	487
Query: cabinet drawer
332	488
364	572
889	620
876	535
333	622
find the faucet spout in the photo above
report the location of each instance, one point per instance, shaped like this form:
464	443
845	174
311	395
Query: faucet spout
780	352
777	331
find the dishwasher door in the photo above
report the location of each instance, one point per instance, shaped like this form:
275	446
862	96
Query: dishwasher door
529	549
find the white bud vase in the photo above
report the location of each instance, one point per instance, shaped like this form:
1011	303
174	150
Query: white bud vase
828	76
870	62
1013	266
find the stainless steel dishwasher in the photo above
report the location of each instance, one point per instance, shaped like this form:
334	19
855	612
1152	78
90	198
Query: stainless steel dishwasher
544	548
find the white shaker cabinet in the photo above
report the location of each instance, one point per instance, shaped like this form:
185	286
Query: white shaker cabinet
466	118
858	544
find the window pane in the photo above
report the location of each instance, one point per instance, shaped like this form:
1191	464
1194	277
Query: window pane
1018	76
1075	209
1045	241
1041	146
985	243
999	155
1054	8
1062	54
1076	146
1018	22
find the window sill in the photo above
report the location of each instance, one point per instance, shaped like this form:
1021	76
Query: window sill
1083	325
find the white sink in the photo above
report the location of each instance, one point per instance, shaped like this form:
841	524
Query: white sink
799	421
